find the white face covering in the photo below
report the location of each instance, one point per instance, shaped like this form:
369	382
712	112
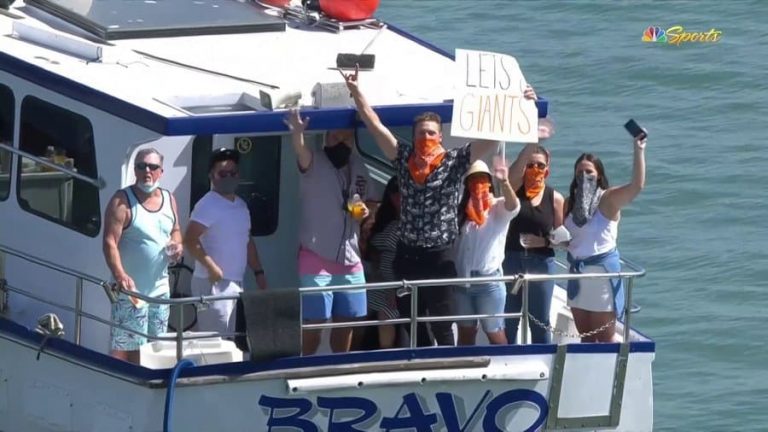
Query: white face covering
149	188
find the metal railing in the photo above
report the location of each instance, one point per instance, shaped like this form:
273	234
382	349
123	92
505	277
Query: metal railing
405	287
97	182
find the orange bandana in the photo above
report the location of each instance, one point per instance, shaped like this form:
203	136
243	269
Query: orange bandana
426	157
534	181
479	200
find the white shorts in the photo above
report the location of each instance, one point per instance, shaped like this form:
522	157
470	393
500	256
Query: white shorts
218	316
595	295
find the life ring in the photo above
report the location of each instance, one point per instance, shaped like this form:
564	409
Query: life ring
349	10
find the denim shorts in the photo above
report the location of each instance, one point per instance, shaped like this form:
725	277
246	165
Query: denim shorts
487	298
150	319
341	304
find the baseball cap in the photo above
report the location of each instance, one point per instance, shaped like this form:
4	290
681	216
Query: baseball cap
223	154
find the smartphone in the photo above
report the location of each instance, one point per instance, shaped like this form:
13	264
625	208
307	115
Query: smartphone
634	129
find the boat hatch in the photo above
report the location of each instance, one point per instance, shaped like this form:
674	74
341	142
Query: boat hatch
214	103
119	19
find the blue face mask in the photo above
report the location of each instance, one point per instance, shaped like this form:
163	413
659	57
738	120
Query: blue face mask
148	188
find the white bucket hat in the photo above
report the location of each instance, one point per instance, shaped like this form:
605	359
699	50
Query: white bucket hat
478	167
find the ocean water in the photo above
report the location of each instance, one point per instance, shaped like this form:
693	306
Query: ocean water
700	225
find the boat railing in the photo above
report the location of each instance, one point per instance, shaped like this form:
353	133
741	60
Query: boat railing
403	287
97	182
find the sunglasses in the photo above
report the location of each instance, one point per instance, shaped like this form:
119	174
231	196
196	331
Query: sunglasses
226	173
141	166
539	165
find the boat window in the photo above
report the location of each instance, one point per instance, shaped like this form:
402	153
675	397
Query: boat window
259	177
367	146
6	137
66	138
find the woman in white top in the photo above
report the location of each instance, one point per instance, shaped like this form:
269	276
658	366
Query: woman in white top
479	251
592	213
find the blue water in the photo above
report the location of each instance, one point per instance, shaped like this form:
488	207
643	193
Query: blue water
699	227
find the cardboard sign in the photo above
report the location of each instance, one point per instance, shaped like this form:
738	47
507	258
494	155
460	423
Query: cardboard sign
489	102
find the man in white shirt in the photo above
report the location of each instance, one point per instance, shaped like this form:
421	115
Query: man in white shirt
218	237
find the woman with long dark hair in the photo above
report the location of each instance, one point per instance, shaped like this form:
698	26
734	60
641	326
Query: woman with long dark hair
479	251
528	250
381	248
592	214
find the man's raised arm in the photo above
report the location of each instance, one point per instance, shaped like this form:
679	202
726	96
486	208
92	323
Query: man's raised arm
384	138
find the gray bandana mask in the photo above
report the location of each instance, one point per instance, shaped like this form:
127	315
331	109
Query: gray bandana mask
226	185
586	199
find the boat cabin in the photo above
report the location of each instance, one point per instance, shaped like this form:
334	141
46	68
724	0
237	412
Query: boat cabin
85	85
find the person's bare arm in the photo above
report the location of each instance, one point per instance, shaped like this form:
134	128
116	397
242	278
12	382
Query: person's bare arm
176	231
511	203
559	203
195	248
381	134
115	219
297	126
517	169
255	264
616	198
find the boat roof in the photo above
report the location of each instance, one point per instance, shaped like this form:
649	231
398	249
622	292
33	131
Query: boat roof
164	81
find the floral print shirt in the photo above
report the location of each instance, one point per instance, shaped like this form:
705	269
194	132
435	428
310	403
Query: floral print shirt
429	212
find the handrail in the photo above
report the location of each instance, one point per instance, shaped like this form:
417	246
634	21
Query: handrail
98	182
405	283
52	266
411	286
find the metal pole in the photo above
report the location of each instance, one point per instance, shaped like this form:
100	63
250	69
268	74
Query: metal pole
180	335
98	182
78	309
524	320
414	313
627	308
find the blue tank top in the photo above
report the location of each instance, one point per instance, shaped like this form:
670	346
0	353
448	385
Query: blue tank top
142	245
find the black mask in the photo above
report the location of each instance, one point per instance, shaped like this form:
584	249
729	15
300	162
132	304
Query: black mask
338	154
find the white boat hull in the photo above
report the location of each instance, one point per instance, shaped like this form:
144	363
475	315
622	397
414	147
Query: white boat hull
453	389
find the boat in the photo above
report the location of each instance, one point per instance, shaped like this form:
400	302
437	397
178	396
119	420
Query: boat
86	84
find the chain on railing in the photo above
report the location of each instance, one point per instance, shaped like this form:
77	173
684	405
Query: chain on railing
555	331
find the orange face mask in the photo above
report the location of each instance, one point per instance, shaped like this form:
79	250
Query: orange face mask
426	157
479	199
534	181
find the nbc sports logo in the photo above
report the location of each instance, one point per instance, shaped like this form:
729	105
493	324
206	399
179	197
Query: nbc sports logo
654	34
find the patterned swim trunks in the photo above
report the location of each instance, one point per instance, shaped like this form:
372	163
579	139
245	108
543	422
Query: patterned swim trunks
150	319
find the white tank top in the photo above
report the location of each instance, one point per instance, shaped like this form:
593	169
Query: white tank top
597	236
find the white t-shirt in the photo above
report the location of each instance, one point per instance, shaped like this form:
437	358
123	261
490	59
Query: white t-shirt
481	248
227	235
596	237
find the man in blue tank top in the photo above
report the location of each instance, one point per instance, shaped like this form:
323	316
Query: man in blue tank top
141	234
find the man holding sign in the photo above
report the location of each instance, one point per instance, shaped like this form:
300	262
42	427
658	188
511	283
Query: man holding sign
430	187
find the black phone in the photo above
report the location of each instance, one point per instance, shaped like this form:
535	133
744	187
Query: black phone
634	129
